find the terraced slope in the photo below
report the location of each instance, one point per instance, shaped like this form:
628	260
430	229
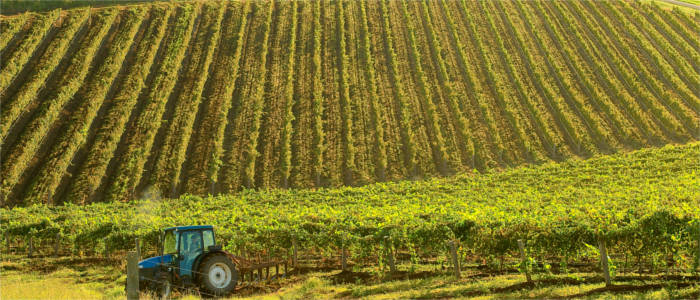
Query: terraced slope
209	97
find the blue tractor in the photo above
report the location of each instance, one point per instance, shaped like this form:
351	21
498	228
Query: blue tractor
189	258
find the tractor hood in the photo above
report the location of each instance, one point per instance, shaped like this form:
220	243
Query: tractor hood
155	261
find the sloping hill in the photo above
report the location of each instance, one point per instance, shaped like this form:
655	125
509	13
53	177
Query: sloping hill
208	97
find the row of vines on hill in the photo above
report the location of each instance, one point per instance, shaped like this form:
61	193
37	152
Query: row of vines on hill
74	132
165	99
98	151
30	137
176	137
16	101
650	215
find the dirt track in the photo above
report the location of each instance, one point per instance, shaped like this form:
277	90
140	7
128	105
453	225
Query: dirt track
681	3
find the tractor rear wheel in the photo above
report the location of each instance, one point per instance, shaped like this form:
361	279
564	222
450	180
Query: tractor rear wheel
218	275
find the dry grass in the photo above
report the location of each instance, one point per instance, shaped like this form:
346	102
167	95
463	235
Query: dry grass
63	278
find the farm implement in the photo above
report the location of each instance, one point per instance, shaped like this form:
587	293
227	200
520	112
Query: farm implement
190	259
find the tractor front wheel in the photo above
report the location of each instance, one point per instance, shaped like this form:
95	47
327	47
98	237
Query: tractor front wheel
218	275
162	286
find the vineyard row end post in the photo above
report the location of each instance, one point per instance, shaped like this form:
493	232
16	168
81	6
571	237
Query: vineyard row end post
525	260
604	261
343	258
294	253
389	255
455	259
132	276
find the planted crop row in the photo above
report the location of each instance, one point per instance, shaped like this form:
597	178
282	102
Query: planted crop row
348	140
476	96
434	130
319	141
678	26
323	94
670	73
600	137
468	121
653	194
138	140
13	62
32	135
285	161
171	155
493	81
686	48
604	79
425	156
237	134
665	58
267	166
100	150
14	105
624	69
204	167
91	97
258	103
334	172
620	129
651	111
570	127
358	91
451	161
407	135
378	120
666	96
302	171
468	153
11	27
533	114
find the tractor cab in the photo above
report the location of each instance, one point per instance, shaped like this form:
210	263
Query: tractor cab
189	256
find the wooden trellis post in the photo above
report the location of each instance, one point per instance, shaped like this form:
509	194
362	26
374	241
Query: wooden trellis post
132	276
389	255
294	253
455	259
604	261
343	259
521	246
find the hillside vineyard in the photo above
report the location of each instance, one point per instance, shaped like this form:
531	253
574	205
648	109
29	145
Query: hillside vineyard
114	103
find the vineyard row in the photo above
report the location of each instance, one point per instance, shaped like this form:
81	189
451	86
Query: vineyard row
119	103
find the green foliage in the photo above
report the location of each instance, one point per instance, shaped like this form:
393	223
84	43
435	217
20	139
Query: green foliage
13	62
89	173
378	119
92	95
143	130
318	135
176	138
49	110
646	201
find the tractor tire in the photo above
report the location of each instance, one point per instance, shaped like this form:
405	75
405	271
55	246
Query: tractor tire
163	286
218	275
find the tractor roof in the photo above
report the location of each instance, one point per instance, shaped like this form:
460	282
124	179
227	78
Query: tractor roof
194	227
